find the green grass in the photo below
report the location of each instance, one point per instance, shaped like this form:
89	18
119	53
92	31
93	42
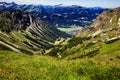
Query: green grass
24	67
25	41
110	48
80	61
18	36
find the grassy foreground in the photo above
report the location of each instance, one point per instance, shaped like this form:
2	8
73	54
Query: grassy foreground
14	66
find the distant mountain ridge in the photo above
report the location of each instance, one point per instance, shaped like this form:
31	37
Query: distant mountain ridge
59	15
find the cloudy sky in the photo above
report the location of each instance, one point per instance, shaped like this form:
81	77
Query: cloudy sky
87	3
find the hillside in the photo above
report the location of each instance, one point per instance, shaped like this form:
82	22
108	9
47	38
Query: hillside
25	67
99	42
105	30
59	15
22	32
93	54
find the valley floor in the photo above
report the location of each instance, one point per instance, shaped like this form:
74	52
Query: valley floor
72	30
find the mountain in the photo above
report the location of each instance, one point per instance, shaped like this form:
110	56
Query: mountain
66	16
93	54
22	32
106	23
99	42
59	15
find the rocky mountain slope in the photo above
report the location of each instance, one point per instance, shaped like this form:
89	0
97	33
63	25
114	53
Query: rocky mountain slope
22	32
59	15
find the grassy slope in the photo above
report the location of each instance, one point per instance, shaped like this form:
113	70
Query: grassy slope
102	66
24	67
88	49
80	48
23	43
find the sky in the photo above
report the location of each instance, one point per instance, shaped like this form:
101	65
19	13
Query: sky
85	3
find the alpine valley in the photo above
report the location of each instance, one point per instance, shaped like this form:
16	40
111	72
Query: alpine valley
32	48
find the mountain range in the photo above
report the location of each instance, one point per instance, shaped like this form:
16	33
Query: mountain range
33	49
59	15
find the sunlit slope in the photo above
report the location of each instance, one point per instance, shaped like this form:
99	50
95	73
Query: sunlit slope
24	67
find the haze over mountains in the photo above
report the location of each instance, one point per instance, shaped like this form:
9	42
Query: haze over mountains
58	15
